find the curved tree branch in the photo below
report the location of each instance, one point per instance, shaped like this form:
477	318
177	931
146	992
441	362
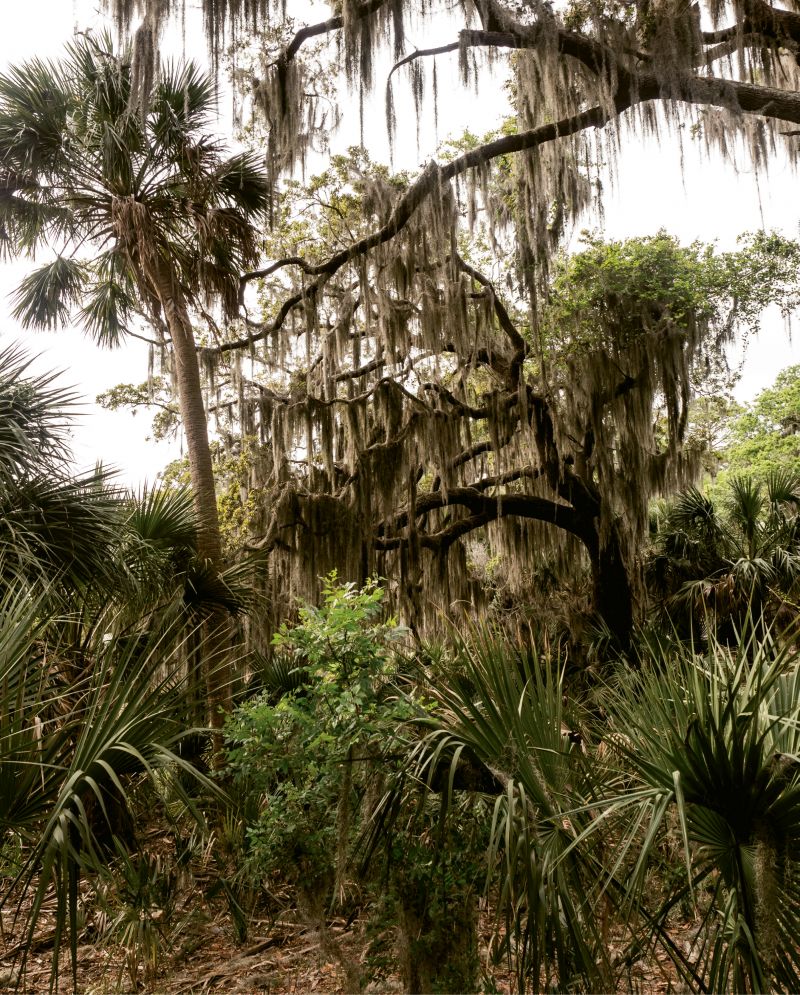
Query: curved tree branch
733	95
326	27
484	509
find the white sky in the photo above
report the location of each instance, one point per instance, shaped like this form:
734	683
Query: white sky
705	200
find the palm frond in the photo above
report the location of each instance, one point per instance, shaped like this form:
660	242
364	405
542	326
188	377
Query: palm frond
34	418
783	487
106	311
693	512
35	105
241	180
207	591
59	530
506	708
61	784
746	502
711	727
46	296
182	102
164	518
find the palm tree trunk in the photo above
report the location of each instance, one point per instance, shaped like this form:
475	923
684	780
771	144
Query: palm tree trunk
195	425
216	665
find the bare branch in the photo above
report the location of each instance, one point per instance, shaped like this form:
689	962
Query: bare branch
326	27
423	53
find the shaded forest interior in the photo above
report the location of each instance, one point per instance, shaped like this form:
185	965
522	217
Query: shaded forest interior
458	651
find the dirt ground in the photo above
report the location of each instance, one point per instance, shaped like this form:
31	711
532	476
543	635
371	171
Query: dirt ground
197	953
281	958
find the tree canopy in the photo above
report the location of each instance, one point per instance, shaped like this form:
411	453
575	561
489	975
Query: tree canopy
412	341
420	395
766	435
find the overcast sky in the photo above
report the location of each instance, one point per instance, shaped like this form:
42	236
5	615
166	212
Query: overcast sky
706	200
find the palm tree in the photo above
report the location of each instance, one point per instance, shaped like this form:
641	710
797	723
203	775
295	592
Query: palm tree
741	557
695	756
96	661
710	744
96	161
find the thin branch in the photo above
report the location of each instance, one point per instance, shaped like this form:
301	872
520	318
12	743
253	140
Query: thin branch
326	27
423	53
269	270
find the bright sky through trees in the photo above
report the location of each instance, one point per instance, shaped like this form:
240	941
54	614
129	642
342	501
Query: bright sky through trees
705	199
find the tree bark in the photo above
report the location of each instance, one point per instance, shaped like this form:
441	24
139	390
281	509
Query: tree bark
612	591
216	649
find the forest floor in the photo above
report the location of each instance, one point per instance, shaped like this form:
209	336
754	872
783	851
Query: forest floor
286	960
193	950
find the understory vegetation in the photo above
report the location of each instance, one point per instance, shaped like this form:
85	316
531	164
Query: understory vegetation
598	815
459	651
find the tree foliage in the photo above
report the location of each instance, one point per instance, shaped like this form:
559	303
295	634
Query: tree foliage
764	438
436	347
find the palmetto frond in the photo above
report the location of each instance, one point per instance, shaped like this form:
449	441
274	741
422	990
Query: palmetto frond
506	710
58	530
746	502
240	179
108	303
164	518
71	748
702	751
33	419
694	512
726	561
55	529
47	295
181	105
704	735
35	106
783	488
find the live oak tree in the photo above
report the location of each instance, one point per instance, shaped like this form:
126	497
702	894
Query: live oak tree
116	175
422	375
386	449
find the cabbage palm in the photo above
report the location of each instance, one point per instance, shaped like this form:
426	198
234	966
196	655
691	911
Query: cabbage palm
505	710
711	745
117	177
694	755
730	559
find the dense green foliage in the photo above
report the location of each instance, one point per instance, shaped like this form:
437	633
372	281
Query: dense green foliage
652	801
596	782
764	438
95	681
721	562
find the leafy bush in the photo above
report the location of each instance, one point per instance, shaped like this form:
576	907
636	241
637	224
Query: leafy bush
320	771
315	750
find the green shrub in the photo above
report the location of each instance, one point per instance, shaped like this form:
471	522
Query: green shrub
309	756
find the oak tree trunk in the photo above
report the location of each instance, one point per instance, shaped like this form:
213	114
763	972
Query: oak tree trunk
613	594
